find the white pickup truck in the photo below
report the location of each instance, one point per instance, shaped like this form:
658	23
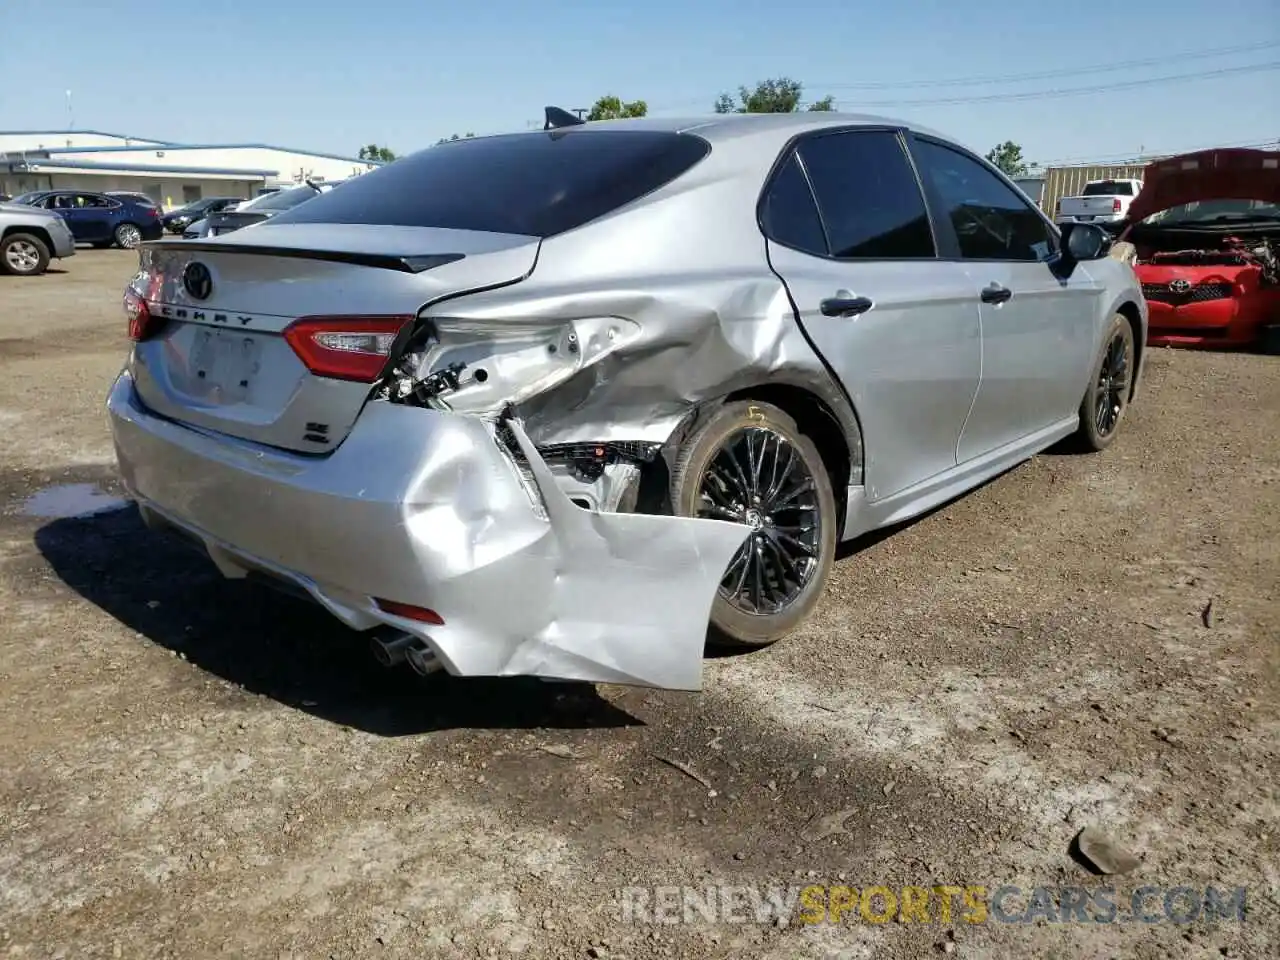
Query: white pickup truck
1101	201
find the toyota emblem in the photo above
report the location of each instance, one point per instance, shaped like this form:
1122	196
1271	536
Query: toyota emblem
1179	285
197	280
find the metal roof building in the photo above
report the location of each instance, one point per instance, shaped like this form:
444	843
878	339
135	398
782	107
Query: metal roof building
171	173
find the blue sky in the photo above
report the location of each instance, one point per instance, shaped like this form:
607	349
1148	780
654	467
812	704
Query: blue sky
333	74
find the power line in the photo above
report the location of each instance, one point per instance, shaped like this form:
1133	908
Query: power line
1072	91
1119	158
1050	74
1030	95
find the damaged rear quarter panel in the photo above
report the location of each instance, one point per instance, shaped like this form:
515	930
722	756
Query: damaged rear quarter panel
688	266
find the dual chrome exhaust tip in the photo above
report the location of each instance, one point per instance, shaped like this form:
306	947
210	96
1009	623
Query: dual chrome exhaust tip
393	649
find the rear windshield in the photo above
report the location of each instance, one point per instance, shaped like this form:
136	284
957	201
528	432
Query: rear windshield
1108	188
536	184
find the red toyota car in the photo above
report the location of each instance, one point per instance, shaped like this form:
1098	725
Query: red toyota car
1206	228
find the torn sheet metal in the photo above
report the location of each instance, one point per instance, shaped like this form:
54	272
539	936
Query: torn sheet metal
427	508
681	346
629	597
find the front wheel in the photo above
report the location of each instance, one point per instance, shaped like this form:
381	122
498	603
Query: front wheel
23	255
1107	399
751	464
128	236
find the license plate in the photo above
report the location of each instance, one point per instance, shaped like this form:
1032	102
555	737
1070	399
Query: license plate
224	365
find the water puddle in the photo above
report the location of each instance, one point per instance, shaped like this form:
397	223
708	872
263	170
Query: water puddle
71	500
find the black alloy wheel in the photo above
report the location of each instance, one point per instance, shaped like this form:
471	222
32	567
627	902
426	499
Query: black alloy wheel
1113	385
757	478
1107	400
750	464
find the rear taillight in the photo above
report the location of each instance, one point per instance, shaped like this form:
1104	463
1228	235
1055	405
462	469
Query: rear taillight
345	348
142	324
1115	205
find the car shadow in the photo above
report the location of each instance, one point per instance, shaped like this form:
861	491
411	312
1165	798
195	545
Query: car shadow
290	650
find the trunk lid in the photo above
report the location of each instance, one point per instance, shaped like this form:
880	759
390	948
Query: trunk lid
221	362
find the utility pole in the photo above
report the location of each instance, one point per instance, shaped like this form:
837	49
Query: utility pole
581	110
70	116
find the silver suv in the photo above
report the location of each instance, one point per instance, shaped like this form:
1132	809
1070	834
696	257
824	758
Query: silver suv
30	238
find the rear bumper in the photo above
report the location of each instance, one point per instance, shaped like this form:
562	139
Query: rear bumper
1102	218
426	508
152	231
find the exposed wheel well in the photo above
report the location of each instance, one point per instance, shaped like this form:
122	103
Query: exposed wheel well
817	421
38	232
1129	311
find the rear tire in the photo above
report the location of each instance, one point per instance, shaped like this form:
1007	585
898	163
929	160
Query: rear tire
750	463
23	255
128	236
1105	402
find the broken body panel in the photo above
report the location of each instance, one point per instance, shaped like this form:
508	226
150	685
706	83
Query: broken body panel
426	508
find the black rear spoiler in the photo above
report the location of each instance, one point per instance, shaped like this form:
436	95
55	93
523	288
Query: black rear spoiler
404	263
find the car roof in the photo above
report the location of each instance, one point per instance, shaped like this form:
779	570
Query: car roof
747	134
732	126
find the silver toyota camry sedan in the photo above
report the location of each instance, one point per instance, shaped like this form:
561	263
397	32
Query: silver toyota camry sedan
567	403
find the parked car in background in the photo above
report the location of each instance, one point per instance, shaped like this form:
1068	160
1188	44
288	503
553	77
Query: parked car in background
175	221
138	198
1103	201
99	219
256	210
659	376
1206	233
30	237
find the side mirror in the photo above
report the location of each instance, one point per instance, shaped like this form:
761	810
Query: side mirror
1087	241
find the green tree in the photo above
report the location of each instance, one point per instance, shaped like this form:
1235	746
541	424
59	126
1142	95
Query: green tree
465	136
1008	157
614	108
374	152
780	95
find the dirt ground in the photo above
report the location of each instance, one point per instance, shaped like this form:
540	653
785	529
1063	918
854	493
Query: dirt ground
190	767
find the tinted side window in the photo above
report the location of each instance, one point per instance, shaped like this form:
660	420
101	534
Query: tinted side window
991	221
789	214
536	184
870	201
